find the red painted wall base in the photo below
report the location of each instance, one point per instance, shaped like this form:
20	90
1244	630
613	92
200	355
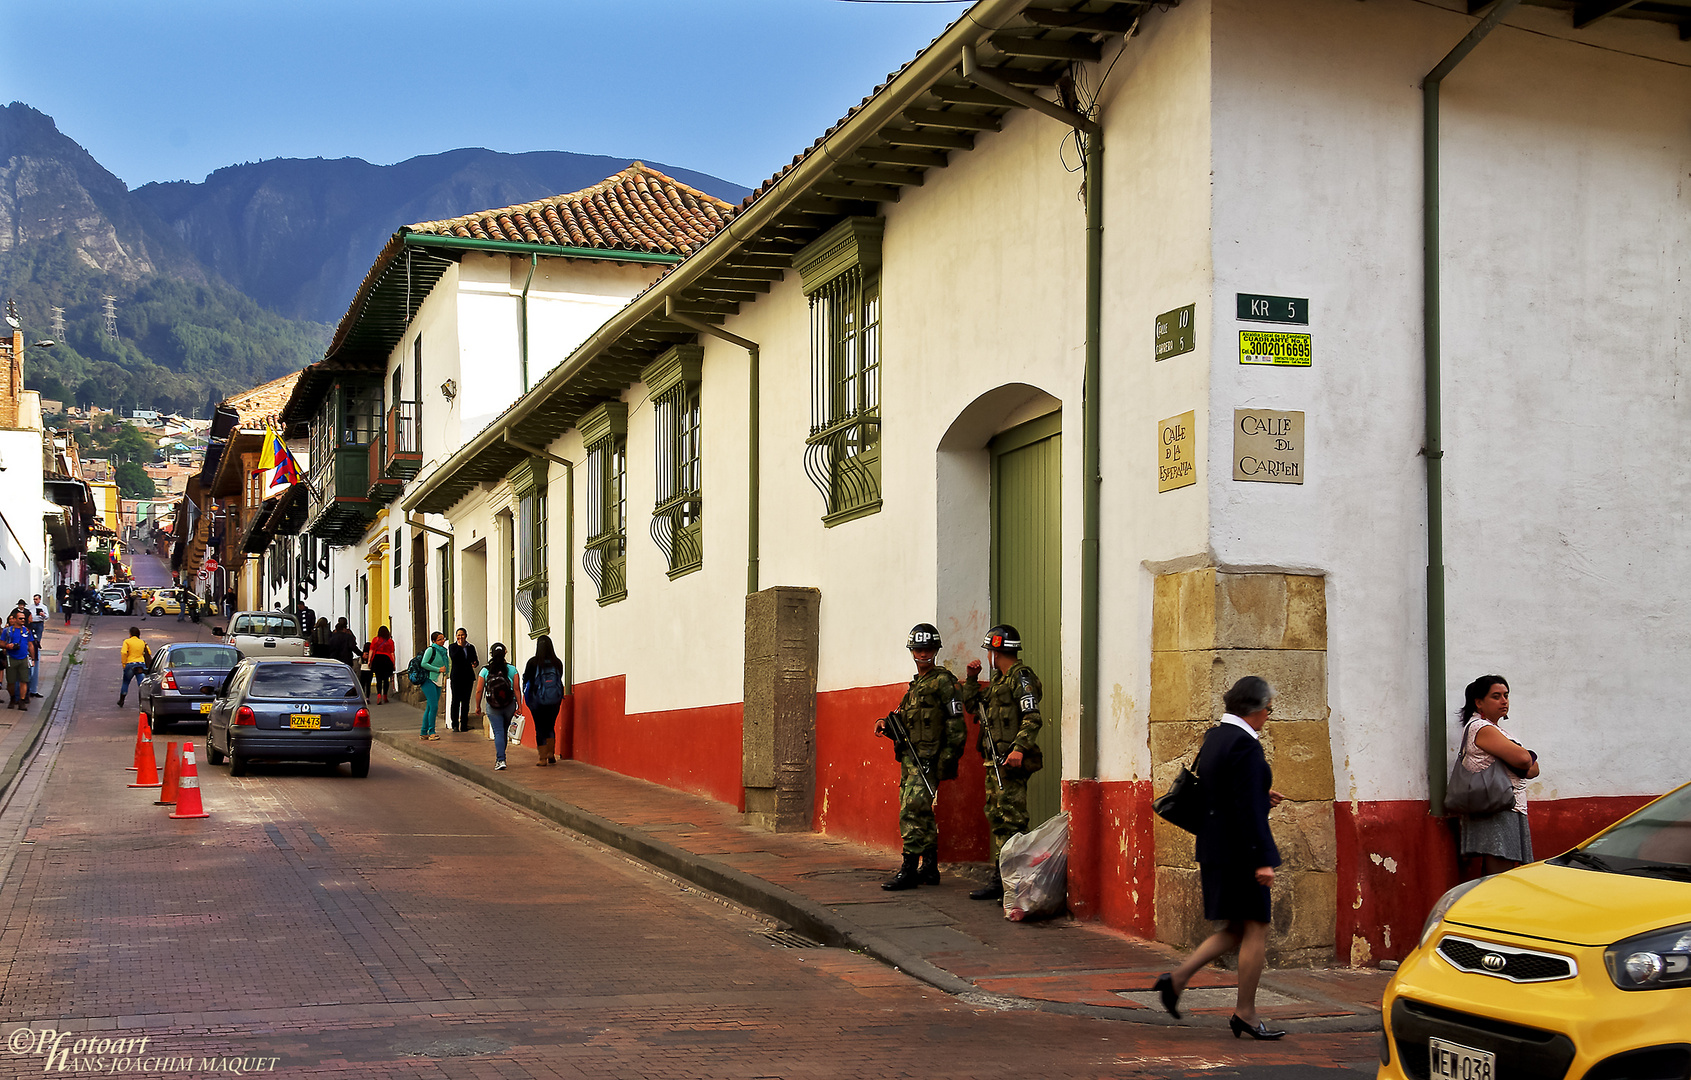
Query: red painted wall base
1395	861
693	750
1112	872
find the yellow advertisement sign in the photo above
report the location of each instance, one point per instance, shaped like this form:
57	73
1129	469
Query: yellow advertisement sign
1274	347
1177	461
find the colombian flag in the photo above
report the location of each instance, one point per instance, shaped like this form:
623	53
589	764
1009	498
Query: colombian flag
278	468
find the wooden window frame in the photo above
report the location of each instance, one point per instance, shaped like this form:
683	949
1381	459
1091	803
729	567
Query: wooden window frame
841	275
674	382
604	554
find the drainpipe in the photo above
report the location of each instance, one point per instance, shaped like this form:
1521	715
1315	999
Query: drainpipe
522	329
569	552
1090	402
753	467
1434	448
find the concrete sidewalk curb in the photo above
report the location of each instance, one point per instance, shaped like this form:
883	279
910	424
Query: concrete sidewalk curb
32	735
809	918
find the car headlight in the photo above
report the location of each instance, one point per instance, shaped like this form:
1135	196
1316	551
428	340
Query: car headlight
1446	902
1654	961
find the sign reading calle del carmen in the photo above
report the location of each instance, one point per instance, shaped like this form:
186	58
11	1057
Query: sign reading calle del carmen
1268	446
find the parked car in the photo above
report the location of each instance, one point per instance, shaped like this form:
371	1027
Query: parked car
113	601
307	709
265	633
183	680
1577	966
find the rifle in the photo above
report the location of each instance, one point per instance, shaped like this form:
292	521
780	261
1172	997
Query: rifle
900	736
989	753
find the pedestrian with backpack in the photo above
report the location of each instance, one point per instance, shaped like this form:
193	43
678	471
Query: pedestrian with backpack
543	689
431	665
498	684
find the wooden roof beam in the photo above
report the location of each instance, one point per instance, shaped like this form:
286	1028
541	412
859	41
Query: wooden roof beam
868	174
928	138
871	192
1110	22
901	155
1597	10
953	119
1047	48
968	95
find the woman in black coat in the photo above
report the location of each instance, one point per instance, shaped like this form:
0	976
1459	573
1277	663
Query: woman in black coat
1236	852
462	678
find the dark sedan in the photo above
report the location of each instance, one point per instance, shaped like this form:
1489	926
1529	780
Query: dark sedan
182	681
289	710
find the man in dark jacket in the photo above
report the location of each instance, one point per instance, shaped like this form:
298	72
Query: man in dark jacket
461	676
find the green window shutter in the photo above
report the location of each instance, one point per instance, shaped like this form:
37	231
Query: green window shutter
528	484
840	272
604	431
677	516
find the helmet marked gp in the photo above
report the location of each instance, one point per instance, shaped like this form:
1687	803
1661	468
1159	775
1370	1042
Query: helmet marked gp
923	636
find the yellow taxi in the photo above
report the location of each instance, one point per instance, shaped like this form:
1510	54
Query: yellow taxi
1578	966
165	602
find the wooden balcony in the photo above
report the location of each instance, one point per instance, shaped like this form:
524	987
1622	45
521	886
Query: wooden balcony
396	452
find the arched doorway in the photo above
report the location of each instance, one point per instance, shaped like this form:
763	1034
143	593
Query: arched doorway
999	522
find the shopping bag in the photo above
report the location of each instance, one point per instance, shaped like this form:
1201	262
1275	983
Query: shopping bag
1035	869
487	726
515	731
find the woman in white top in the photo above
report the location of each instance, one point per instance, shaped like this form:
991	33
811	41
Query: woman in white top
1501	841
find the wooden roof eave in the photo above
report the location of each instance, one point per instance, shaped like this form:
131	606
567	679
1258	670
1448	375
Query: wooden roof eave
887	143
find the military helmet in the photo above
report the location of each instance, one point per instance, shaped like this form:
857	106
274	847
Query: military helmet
923	636
1003	638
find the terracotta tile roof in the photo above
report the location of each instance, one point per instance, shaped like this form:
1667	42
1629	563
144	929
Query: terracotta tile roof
263	402
637	209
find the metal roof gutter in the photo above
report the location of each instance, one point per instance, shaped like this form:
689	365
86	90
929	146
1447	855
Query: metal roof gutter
435	240
884	108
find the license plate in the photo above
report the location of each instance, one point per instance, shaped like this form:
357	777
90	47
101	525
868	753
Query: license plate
1453	1062
205	706
305	720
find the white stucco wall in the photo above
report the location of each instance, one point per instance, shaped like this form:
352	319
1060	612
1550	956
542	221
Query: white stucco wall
1565	240
24	560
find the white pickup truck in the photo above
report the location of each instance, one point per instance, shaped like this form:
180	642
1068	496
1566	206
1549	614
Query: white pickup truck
265	633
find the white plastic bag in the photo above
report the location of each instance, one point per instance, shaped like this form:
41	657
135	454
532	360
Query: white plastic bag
1035	869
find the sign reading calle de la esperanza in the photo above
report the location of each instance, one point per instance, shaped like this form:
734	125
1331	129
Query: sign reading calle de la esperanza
1177	463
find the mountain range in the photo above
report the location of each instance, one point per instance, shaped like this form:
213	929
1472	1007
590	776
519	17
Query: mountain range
222	284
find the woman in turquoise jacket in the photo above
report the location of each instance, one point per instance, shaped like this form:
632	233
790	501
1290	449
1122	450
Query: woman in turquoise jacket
435	659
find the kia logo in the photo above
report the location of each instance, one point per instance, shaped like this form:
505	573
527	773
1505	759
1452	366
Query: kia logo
1493	962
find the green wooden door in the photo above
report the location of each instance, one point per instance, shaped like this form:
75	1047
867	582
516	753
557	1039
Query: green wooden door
1027	577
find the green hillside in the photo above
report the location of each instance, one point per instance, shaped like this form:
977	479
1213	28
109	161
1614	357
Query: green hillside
179	345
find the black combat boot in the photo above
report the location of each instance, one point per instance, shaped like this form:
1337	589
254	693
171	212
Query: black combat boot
908	877
929	873
992	890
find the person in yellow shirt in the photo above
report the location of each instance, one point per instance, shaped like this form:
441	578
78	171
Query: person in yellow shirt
135	657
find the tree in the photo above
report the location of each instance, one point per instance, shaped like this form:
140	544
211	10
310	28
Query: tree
134	483
86	393
131	446
98	562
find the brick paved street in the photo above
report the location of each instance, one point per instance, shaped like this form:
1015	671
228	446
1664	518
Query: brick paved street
412	924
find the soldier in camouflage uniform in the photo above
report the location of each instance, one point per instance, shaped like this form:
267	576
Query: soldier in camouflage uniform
932	714
1010	722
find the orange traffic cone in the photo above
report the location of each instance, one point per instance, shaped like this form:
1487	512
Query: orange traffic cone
188	803
167	797
146	769
142	729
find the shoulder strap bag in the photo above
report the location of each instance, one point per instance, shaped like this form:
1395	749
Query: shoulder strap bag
1477	794
1183	803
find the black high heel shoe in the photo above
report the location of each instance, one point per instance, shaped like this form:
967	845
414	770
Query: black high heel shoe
1259	1030
1171	996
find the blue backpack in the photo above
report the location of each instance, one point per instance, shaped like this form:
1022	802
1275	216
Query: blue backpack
548	686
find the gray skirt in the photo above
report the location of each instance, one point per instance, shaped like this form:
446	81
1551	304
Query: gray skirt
1503	834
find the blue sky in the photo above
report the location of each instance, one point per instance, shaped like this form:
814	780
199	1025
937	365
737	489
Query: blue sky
172	89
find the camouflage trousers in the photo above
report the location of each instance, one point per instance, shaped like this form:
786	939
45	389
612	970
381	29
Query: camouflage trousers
1006	807
916	822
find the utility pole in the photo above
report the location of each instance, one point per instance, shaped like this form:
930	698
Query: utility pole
110	313
58	324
